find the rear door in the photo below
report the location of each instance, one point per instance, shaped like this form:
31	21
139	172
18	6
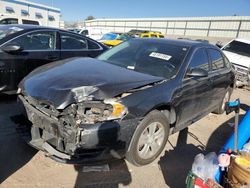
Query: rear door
220	74
38	48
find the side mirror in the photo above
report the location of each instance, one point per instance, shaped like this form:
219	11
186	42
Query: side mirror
197	72
12	48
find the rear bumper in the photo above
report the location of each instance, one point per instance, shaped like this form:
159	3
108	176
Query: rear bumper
86	144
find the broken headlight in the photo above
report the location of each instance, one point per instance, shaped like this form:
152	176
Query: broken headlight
83	93
118	111
90	112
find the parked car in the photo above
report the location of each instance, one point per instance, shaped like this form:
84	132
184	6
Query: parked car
95	33
127	101
137	32
7	20
25	47
74	30
109	36
120	38
238	53
151	34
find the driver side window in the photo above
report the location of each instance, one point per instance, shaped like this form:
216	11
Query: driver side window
199	60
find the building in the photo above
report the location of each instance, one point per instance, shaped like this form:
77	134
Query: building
187	27
46	15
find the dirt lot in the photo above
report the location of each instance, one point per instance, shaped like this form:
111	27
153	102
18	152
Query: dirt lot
23	166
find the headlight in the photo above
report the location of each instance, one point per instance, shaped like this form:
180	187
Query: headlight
83	93
119	110
91	112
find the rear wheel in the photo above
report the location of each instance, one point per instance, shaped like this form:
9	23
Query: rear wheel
149	139
226	98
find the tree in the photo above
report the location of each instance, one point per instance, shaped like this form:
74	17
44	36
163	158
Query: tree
90	18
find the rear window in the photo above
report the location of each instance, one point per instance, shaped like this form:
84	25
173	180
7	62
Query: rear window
31	22
238	47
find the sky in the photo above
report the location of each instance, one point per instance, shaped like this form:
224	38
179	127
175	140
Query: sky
76	10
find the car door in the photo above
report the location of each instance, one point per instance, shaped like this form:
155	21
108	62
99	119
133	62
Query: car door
73	45
36	48
220	74
193	98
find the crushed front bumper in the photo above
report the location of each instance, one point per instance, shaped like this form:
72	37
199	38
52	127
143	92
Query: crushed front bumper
85	144
242	75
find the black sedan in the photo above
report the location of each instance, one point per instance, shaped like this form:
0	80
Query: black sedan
126	102
26	47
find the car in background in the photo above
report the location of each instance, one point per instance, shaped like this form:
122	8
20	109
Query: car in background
125	102
74	30
238	53
26	47
121	38
110	36
7	20
95	33
137	32
151	34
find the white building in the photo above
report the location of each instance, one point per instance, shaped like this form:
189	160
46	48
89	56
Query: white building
45	15
222	27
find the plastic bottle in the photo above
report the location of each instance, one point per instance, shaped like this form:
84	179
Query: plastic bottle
198	165
211	165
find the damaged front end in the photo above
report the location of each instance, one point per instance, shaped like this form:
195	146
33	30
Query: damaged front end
86	130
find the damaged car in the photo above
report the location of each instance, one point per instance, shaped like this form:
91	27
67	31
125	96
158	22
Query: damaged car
126	102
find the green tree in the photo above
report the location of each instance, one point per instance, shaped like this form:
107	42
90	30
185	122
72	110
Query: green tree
90	18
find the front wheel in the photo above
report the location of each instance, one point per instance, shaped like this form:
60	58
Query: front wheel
149	139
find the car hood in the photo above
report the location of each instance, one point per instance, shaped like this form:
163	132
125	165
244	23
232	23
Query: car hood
238	59
54	82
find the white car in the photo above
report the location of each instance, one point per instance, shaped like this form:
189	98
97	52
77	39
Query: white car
95	33
238	53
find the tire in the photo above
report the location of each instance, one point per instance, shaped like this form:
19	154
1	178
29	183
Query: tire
149	139
221	108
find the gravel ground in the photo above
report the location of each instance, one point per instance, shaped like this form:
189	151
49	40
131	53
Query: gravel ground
24	167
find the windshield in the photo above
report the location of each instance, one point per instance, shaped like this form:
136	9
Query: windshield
156	58
238	47
109	36
6	31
